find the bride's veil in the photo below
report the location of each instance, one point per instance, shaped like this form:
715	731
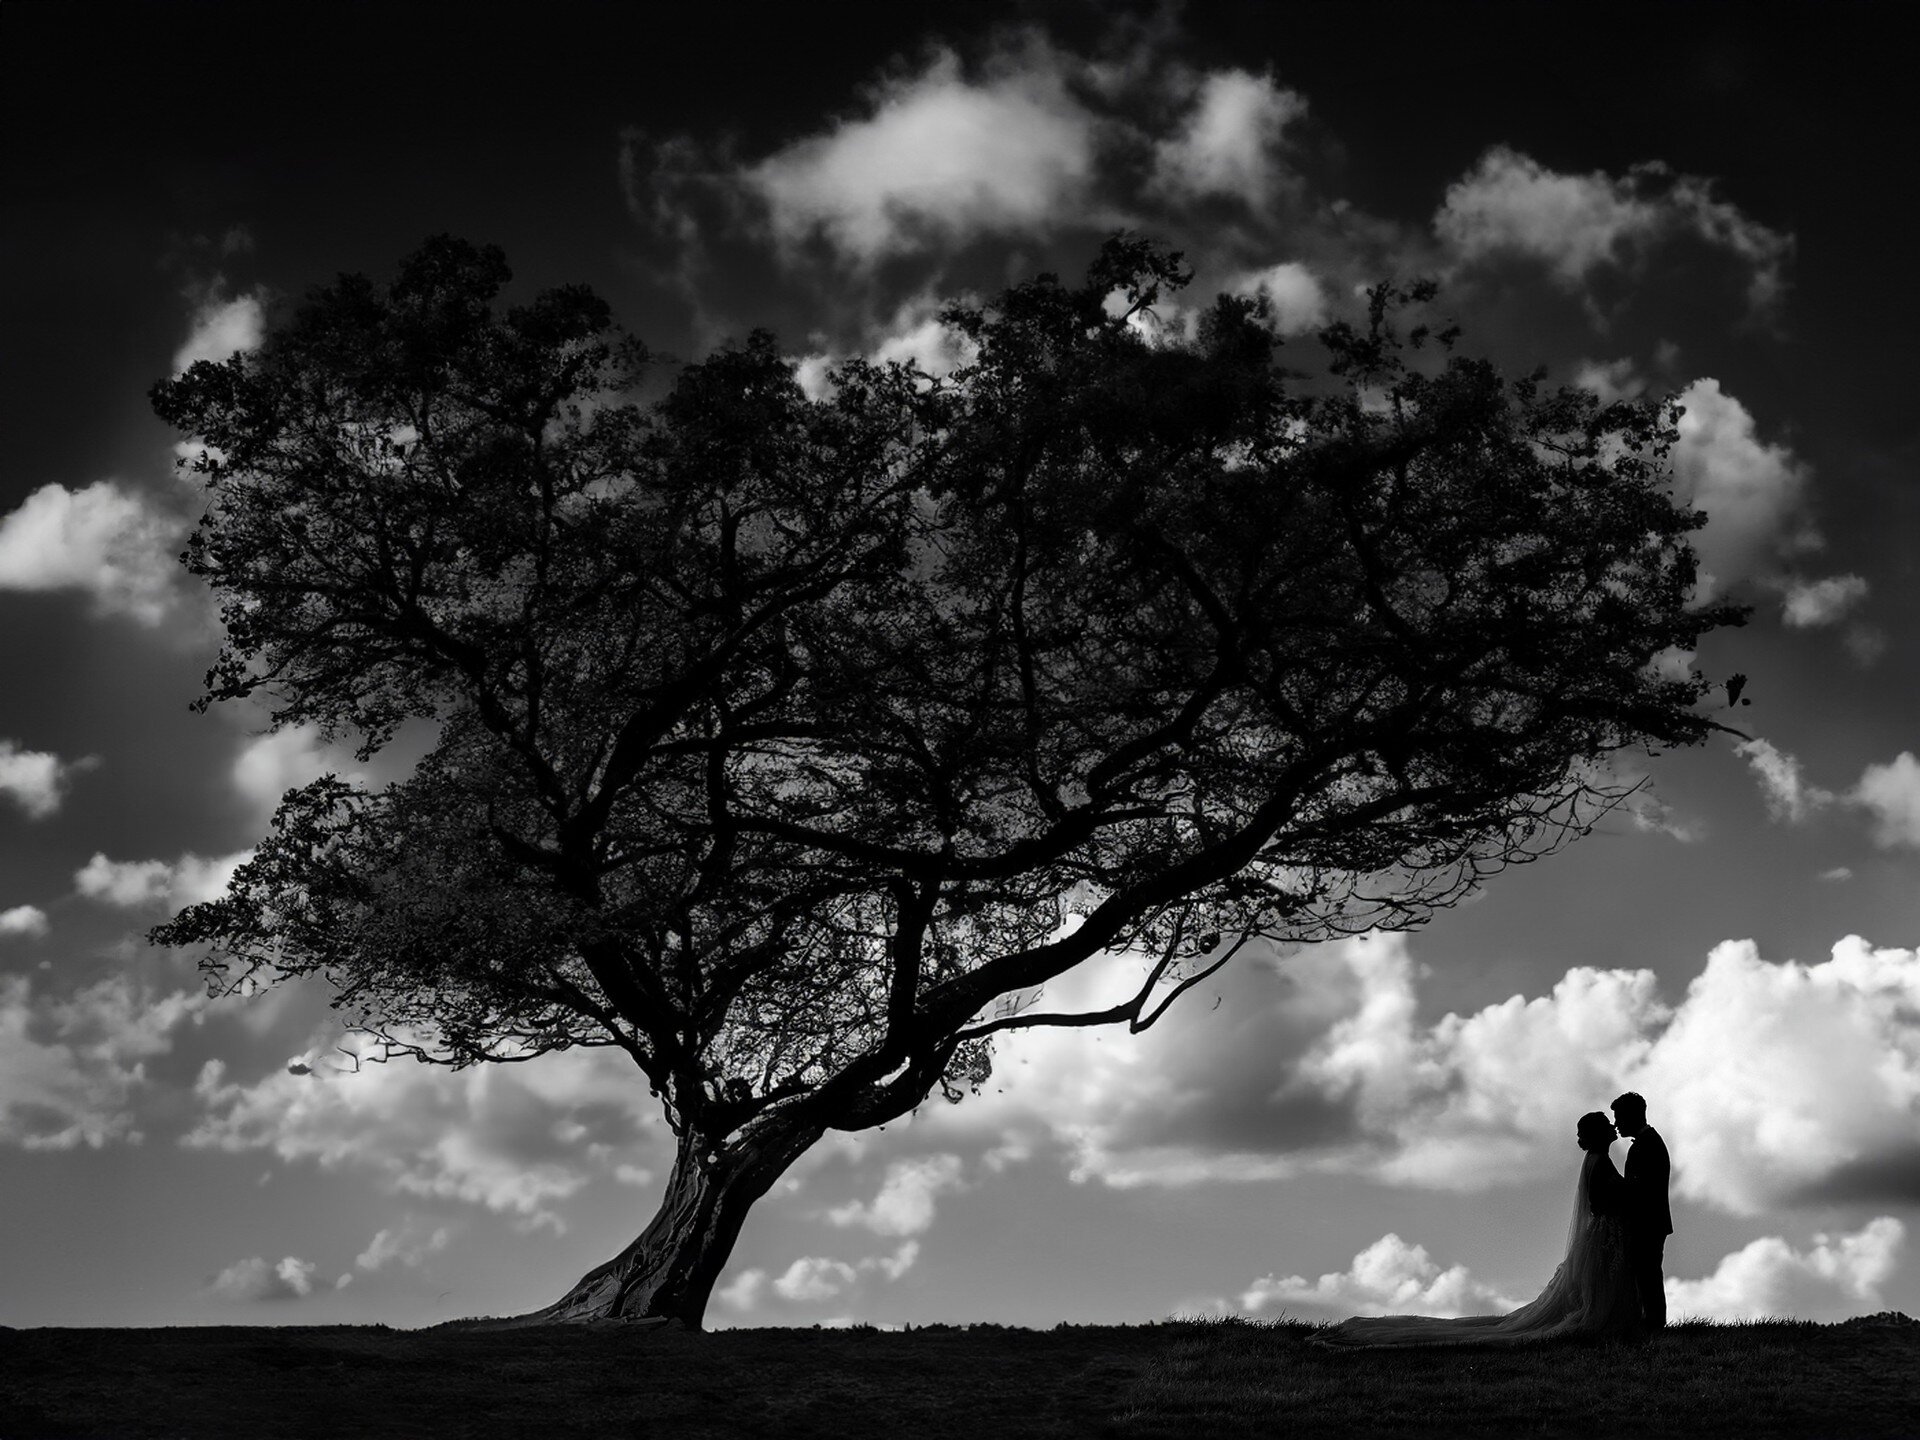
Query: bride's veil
1583	1296
1563	1304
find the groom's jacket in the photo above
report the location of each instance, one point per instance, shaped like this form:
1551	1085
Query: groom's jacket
1647	1170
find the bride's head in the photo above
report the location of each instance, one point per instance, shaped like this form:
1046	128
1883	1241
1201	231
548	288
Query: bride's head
1596	1130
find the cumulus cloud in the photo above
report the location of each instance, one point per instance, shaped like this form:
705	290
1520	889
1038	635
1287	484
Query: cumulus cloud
1297	301
906	1200
409	1244
918	336
221	328
135	884
1476	1100
898	1263
814	1277
938	156
1891	794
1206	1093
1610	380
23	920
270	765
1750	490
1764	1078
1029	141
1812	603
1511	205
103	540
1774	1077
1389	1277
255	1279
1228	143
512	1138
1768	1079
1836	1276
744	1291
71	1066
36	780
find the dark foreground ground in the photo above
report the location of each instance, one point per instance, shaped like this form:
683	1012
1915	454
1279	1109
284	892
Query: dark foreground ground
1199	1379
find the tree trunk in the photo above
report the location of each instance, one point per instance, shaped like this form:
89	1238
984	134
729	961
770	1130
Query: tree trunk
668	1273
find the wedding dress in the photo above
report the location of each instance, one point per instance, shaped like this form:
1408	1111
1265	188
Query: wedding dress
1591	1294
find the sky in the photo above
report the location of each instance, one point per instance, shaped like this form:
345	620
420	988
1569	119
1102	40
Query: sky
1695	201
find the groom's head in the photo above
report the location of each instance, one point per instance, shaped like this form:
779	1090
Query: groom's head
1630	1114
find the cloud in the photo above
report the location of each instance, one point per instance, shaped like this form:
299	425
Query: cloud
814	1277
810	373
918	336
897	1264
71	1066
512	1138
1788	796
102	540
1888	1176
36	780
1891	792
1643	807
938	157
1229	142
1298	302
133	884
1208	1093
1511	205
23	920
270	765
221	328
905	1202
1610	380
1028	141
1812	603
1837	1276
1773	1077
744	1291
1766	1078
408	1245
1478	1100
1389	1277
1750	491
255	1279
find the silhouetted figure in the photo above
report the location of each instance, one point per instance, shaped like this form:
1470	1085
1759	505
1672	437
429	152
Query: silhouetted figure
1591	1295
1648	1219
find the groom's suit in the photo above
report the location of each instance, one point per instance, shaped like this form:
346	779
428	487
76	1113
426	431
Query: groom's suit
1648	1222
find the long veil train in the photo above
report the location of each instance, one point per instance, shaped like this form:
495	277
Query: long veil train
1590	1294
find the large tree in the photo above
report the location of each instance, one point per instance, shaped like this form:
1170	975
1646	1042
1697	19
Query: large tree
791	743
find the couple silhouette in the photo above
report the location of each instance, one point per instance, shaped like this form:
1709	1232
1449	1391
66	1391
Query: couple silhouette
1610	1284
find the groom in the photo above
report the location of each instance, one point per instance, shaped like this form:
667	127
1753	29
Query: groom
1649	1221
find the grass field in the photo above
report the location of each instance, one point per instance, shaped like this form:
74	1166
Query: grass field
1183	1378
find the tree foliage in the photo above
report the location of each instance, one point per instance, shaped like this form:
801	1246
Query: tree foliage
789	743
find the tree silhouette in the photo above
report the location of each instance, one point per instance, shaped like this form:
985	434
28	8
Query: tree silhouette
790	744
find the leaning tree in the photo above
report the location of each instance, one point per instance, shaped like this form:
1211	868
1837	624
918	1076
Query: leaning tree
790	743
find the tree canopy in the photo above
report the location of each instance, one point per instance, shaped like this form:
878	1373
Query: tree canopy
789	742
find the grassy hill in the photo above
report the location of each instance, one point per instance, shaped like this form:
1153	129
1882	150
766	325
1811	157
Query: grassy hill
1182	1378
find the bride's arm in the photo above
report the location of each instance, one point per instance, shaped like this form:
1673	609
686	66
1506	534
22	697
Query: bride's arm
1606	1191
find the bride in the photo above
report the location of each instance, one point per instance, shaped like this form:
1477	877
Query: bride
1591	1294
